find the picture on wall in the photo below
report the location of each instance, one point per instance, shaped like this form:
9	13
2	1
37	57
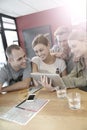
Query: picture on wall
29	35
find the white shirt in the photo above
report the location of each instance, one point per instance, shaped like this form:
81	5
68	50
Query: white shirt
50	68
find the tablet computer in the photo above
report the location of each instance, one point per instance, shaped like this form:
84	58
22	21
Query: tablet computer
56	79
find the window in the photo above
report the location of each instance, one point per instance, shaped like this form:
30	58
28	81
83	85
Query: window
8	35
11	37
2	53
8	23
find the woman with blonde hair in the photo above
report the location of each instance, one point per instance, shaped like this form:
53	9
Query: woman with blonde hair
77	42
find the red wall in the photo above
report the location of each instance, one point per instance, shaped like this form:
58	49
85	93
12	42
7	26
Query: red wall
54	17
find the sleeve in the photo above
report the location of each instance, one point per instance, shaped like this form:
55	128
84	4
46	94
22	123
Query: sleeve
3	76
36	60
76	77
73	73
72	82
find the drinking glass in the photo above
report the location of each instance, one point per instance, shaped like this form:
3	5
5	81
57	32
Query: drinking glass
61	92
74	100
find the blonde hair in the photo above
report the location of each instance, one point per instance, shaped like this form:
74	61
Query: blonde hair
78	35
62	30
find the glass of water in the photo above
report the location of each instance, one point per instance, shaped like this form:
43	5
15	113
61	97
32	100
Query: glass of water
74	100
61	92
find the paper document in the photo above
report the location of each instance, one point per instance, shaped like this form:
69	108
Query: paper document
24	112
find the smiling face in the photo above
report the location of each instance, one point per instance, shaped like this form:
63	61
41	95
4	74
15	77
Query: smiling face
77	42
17	59
62	40
77	48
42	51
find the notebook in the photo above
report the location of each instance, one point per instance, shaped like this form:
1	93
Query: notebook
56	79
25	111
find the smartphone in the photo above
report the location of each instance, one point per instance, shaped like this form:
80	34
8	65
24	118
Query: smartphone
31	97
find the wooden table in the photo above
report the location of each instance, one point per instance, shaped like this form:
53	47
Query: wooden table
56	115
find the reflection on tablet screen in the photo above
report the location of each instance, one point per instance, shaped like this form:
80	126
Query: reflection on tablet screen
56	79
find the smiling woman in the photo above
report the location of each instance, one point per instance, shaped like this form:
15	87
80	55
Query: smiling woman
44	61
78	43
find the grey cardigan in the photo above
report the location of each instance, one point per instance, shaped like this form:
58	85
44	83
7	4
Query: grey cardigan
78	76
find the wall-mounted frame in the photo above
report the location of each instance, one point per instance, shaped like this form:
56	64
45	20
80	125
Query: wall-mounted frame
29	35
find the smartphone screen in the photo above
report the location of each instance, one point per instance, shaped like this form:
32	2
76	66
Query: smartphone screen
31	97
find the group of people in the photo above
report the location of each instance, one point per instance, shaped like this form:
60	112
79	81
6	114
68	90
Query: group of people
68	56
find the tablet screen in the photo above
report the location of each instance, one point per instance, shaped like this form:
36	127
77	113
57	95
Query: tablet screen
56	79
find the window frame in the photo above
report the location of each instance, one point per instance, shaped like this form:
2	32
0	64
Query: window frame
2	30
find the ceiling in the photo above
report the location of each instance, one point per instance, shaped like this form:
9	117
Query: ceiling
18	8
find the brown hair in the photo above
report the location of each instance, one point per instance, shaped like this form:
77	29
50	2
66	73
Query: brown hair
40	39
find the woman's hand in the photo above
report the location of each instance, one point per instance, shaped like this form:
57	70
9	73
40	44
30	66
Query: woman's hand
46	83
35	83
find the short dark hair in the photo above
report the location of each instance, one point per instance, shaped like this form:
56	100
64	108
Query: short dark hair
40	39
10	48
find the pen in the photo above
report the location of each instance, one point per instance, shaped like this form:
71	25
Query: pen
20	103
26	109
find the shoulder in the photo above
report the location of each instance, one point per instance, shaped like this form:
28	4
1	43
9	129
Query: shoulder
61	63
5	72
5	68
36	59
60	60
